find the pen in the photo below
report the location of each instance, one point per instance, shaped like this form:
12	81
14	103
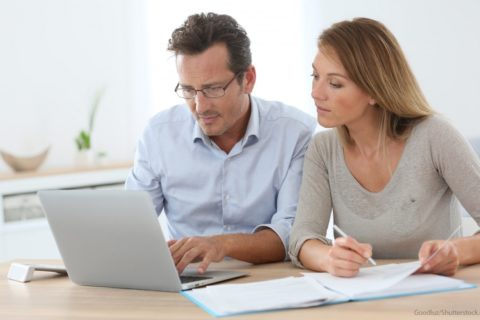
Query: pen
343	234
443	244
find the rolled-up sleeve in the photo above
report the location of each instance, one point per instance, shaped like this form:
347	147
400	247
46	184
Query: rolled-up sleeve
287	199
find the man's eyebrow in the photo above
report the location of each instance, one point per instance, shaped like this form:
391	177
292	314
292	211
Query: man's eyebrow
206	85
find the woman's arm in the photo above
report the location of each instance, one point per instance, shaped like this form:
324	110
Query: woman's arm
344	258
459	166
460	251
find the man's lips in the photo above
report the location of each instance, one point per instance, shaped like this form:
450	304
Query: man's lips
208	118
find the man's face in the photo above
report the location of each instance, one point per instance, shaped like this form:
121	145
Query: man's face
209	69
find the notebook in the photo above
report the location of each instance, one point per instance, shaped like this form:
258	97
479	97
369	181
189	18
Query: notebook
317	289
112	238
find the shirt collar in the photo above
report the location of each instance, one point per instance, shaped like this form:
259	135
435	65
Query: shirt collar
253	127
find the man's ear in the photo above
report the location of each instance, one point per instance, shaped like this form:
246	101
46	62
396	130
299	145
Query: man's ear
249	79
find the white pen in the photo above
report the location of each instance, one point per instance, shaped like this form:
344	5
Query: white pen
443	244
343	234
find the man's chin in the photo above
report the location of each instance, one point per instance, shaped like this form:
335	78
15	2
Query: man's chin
211	132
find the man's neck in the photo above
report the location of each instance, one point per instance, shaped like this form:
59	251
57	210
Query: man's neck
227	141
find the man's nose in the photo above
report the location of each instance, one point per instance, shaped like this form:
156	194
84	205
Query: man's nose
201	102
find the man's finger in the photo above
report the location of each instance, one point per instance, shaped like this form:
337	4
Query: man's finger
202	268
187	258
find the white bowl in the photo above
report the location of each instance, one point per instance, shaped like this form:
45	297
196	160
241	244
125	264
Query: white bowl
24	163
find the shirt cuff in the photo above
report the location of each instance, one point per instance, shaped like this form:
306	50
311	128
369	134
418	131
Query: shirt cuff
282	231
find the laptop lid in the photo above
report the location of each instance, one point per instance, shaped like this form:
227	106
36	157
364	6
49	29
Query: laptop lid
112	238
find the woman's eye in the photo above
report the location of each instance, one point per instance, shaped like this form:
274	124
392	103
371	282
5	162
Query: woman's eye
335	85
314	76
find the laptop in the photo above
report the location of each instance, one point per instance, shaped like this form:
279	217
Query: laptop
112	238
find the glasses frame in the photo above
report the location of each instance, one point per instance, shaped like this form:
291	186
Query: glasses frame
224	88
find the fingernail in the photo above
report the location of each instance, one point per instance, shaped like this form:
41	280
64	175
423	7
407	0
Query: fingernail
426	267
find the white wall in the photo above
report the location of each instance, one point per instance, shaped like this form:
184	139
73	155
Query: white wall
279	42
441	39
54	56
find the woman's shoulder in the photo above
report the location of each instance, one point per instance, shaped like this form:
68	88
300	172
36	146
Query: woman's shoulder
435	124
438	131
325	142
326	137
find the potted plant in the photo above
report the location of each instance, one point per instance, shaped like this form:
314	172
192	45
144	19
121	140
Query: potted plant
83	140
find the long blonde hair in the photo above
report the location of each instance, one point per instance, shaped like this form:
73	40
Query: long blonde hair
375	62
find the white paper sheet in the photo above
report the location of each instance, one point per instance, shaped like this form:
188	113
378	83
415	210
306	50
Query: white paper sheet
264	295
368	279
316	289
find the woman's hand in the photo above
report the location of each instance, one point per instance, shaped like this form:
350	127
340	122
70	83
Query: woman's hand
346	256
445	261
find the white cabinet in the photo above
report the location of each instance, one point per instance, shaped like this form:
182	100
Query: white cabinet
24	231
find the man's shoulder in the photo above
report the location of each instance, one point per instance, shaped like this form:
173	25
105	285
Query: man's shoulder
276	111
175	115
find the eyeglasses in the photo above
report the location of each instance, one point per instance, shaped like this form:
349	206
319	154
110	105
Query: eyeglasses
209	92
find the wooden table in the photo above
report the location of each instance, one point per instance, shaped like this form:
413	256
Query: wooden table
55	297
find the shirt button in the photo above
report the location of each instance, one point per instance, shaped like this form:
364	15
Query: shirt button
227	197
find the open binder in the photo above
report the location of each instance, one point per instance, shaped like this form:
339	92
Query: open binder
316	289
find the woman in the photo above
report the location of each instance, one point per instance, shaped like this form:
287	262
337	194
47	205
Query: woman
392	169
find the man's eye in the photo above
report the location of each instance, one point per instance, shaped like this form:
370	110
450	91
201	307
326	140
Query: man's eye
212	89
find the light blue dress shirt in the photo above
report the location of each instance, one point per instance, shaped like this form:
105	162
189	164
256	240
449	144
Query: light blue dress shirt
205	191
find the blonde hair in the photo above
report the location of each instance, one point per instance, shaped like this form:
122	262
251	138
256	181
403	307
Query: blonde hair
375	62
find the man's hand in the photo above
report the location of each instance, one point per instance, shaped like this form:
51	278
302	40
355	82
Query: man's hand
445	261
195	249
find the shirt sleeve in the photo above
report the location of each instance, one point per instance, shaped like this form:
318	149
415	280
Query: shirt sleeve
287	198
315	203
142	176
458	164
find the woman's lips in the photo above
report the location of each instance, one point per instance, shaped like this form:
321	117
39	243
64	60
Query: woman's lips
322	109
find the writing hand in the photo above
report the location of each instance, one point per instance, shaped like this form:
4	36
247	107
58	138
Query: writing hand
346	256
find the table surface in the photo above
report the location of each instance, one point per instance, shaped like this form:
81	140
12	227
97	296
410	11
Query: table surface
50	296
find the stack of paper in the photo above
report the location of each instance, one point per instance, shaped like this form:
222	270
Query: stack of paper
315	289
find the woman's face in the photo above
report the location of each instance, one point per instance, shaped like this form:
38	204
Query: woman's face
338	99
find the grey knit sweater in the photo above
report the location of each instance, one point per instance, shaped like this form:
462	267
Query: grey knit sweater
419	203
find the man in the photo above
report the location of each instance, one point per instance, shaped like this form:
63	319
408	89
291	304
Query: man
226	167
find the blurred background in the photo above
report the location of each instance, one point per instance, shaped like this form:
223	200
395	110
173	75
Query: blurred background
56	55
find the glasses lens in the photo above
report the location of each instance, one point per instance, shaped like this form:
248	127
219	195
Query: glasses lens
215	92
186	93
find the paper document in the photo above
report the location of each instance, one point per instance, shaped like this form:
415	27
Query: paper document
315	289
368	279
291	292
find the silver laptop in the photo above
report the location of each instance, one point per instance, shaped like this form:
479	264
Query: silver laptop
112	238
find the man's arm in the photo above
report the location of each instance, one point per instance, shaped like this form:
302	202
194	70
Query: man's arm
260	247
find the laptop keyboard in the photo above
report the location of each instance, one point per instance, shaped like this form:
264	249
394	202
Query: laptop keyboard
187	279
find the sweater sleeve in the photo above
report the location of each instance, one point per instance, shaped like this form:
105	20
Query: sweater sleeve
315	203
458	164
